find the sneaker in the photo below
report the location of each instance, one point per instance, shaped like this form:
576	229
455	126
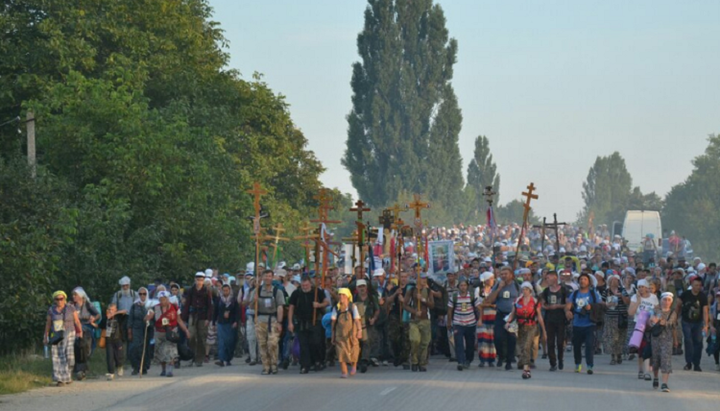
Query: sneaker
265	372
578	368
687	367
134	372
374	362
121	371
656	383
589	370
384	363
274	371
508	367
162	374
665	388
460	367
697	368
553	368
219	363
648	377
631	357
561	365
304	371
109	376
499	363
641	375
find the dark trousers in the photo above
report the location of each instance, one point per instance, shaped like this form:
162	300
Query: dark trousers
693	342
556	341
584	335
114	355
312	344
504	341
464	343
135	351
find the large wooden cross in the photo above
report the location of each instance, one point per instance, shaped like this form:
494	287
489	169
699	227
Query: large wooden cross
418	205
321	241
555	225
529	195
257	191
360	209
278	229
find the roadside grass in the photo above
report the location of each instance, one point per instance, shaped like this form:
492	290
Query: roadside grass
22	373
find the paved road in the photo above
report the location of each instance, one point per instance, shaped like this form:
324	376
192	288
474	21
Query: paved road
241	387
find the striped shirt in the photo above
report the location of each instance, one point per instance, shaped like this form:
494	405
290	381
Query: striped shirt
463	309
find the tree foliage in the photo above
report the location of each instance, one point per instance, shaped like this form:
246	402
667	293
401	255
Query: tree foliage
691	206
606	190
404	124
146	145
481	173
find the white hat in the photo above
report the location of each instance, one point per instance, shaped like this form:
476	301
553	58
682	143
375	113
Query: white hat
701	266
486	276
124	281
163	294
280	272
526	284
378	272
250	268
360	282
282	264
208	272
296	267
643	283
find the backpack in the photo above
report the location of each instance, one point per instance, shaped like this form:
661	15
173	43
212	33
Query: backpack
563	295
440	308
119	294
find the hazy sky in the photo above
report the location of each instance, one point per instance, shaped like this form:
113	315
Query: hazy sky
552	84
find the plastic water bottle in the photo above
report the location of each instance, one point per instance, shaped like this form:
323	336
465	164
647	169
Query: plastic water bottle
713	338
46	350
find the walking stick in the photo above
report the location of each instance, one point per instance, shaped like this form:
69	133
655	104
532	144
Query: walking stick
142	359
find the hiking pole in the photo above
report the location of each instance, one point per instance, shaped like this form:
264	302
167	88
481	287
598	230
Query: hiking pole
142	359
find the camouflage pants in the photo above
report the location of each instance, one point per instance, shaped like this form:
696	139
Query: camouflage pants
268	338
398	334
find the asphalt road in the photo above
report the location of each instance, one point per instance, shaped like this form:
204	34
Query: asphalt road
442	387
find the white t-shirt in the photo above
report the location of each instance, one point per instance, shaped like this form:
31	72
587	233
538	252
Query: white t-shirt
646	304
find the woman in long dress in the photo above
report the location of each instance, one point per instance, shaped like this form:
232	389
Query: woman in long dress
346	332
486	331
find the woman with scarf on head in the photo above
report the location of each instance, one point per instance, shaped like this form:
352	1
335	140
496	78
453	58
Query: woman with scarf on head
167	321
62	321
665	318
140	332
346	332
645	301
226	319
88	315
616	318
486	330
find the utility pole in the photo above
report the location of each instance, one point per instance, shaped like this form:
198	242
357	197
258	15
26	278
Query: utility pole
32	162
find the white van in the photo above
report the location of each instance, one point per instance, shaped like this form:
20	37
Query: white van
638	224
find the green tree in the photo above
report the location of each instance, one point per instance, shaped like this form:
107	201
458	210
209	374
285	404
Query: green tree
691	206
481	173
513	212
404	123
606	190
639	201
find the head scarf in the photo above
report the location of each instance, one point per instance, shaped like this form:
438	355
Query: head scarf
59	292
81	292
137	300
667	295
226	300
346	292
526	284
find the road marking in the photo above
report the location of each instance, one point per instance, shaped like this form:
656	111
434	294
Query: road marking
387	391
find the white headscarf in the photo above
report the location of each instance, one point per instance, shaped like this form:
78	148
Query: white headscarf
81	292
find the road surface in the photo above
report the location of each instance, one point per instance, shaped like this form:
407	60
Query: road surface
442	388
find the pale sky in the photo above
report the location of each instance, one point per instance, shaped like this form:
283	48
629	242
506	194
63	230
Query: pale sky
552	84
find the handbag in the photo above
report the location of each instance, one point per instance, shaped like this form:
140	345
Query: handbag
657	329
171	335
103	337
55	337
623	321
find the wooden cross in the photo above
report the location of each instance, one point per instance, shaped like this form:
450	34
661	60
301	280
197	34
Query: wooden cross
257	191
530	196
542	233
386	219
359	209
418	205
278	230
555	225
396	210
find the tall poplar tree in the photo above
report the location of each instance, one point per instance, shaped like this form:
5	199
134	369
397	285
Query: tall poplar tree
482	171
405	121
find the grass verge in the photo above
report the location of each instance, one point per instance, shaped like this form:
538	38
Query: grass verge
22	373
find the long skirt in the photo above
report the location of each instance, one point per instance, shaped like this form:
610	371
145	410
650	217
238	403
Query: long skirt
63	358
486	337
226	341
526	336
165	351
613	337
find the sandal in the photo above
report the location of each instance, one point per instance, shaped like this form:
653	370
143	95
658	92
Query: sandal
526	375
648	377
656	383
641	375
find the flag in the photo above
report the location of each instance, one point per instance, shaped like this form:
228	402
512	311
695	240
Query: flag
392	251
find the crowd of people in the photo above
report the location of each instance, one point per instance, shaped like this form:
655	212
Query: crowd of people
578	292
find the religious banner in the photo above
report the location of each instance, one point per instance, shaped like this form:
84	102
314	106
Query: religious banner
442	257
348	257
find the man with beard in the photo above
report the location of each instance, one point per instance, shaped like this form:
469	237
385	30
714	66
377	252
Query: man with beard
123	300
419	303
303	302
270	302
